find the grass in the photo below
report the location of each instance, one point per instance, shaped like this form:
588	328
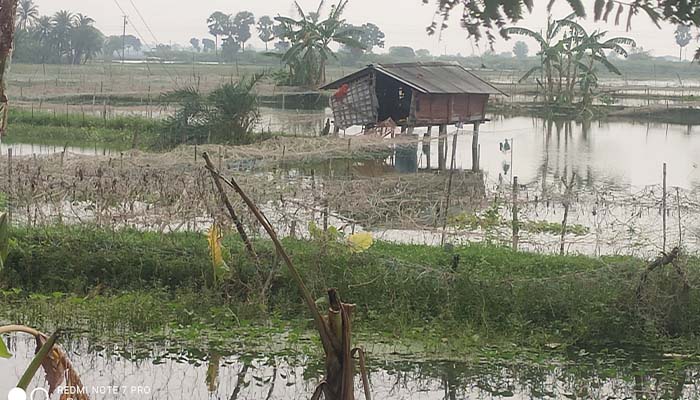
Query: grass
77	129
490	292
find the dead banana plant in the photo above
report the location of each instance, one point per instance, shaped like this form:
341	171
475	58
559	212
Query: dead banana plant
335	328
57	367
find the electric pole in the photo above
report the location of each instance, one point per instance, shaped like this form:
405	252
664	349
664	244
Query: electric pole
124	40
8	11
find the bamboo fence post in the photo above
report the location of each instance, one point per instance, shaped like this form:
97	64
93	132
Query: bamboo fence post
663	209
9	185
516	222
567	204
680	226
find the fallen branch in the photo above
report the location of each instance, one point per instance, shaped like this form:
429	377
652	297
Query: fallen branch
663	260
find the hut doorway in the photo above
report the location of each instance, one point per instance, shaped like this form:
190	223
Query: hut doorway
394	99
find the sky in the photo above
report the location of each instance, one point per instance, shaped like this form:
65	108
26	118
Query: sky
403	22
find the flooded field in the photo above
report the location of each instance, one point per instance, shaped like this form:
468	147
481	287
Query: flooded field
615	203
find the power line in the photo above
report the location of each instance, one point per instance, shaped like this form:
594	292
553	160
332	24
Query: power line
126	16
144	21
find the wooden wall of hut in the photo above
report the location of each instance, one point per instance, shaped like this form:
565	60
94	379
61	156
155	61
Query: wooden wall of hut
436	109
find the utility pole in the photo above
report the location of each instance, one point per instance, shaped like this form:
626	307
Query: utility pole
8	11
124	40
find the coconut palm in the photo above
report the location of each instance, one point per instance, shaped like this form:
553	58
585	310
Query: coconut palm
85	39
311	38
61	33
27	14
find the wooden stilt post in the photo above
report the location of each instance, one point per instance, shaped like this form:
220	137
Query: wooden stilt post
427	139
442	145
475	147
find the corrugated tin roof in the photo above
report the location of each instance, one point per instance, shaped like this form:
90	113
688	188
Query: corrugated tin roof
432	78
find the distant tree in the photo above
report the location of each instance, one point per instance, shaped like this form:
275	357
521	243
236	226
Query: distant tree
265	25
85	39
27	14
208	45
218	24
241	28
229	49
638	53
402	52
194	42
114	44
423	53
520	49
280	31
371	36
683	37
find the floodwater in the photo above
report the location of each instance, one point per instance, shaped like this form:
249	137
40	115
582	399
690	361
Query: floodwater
168	373
31	149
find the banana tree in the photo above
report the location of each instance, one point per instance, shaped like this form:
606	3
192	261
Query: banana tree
568	56
311	39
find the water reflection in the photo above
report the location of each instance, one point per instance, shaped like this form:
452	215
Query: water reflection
30	149
169	373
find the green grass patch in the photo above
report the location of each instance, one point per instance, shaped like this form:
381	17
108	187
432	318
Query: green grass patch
488	291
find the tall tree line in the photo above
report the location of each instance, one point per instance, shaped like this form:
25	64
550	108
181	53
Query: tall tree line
63	37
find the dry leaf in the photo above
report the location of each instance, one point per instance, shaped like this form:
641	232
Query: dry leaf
58	369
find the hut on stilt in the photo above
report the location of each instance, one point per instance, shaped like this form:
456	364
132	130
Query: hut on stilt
412	95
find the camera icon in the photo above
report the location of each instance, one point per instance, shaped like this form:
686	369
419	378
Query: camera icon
21	394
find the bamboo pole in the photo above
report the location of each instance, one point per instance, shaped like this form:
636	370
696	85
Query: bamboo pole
680	225
663	210
232	212
516	222
334	329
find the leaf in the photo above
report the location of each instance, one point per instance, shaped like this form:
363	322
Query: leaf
219	266
598	9
58	368
4	353
360	242
608	8
620	9
53	367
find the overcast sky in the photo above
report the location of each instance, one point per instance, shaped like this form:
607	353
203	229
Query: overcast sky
403	21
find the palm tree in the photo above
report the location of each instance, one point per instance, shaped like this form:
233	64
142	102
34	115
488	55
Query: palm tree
61	33
85	39
311	39
217	23
43	28
265	33
27	14
683	37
